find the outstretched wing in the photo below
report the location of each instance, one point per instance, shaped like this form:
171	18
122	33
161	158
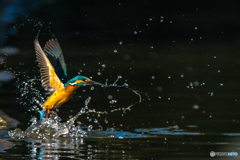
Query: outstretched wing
49	79
53	52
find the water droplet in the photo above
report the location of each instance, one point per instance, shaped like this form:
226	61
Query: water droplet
135	32
120	42
182	75
153	77
219	71
151	47
115	51
191	39
150	19
99	73
195	28
161	20
169	98
113	101
159	97
92	88
95	121
169	77
200	38
106	121
90	127
221	84
110	97
161	17
195	106
214	57
170	21
103	65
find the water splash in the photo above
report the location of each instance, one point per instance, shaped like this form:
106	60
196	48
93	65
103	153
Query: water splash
29	94
52	127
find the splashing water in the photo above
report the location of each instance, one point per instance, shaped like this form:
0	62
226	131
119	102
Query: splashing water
49	128
52	127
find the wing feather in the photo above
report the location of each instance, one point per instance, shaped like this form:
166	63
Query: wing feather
49	79
54	54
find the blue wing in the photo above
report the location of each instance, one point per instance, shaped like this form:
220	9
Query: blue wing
54	53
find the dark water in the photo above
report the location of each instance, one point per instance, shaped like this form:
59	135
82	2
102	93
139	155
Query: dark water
190	74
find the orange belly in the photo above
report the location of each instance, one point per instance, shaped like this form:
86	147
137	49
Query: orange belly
59	97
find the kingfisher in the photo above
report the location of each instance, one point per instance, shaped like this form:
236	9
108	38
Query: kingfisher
53	72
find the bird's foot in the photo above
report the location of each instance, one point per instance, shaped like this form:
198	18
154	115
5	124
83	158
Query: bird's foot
48	113
45	114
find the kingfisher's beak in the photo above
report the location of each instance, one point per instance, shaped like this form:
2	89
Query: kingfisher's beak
95	83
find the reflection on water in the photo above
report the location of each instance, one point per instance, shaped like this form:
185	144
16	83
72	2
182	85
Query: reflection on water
148	143
53	150
171	130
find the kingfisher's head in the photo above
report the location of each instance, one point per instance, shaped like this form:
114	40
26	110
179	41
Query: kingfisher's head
82	81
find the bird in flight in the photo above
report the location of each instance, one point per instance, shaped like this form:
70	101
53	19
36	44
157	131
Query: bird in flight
53	71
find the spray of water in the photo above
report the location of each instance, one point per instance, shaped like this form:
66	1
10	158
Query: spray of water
52	127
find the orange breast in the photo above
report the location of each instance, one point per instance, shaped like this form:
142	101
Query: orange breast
59	97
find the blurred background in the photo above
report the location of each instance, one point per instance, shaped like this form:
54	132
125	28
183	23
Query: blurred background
183	54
